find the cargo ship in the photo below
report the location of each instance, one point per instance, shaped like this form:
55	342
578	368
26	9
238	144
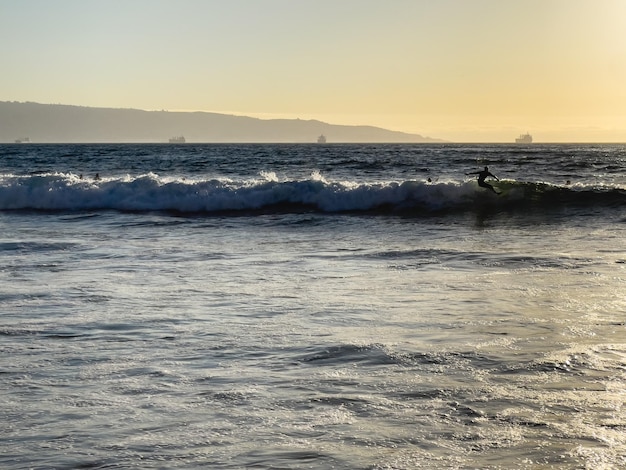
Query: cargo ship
524	139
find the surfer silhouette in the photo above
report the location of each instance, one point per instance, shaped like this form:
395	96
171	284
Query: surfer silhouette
482	175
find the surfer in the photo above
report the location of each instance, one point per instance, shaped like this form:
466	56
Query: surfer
482	175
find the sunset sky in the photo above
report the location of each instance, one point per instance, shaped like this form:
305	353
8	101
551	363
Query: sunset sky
460	70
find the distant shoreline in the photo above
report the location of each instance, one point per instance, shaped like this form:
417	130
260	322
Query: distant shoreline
447	143
57	123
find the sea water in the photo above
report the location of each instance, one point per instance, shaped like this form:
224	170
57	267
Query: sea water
312	306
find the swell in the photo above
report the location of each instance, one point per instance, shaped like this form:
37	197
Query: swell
68	192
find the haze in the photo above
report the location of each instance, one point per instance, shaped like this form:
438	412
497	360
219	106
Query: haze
460	70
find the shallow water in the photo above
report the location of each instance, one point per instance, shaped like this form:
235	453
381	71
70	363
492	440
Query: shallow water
481	338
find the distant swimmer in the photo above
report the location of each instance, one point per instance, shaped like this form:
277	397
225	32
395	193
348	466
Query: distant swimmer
97	177
481	178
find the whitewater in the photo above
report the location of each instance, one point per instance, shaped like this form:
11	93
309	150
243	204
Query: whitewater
312	306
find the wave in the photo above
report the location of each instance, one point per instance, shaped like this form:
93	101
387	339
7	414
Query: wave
150	192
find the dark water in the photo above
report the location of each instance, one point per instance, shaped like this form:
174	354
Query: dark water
303	306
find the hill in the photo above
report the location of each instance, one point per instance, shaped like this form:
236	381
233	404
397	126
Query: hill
52	123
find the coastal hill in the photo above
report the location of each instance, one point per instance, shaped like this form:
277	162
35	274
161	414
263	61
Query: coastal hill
52	123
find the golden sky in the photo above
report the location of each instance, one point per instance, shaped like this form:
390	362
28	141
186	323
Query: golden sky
460	70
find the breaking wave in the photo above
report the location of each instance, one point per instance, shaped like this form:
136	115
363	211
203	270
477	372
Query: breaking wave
150	192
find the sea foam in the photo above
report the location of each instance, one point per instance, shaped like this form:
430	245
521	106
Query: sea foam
150	192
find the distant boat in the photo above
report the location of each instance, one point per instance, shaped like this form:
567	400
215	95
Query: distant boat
177	140
524	139
321	139
23	140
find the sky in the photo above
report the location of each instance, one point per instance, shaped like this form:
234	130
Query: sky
459	70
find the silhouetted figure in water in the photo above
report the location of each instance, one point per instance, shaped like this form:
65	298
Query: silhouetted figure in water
97	177
481	178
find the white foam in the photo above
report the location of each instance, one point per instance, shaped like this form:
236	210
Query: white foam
58	191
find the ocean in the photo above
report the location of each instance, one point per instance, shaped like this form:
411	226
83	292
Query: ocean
312	306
